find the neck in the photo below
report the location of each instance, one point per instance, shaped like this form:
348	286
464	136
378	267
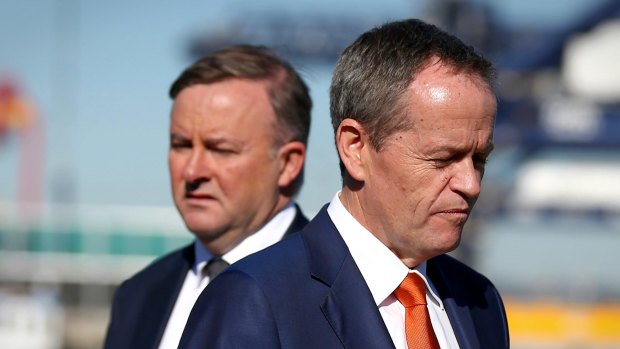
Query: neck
226	241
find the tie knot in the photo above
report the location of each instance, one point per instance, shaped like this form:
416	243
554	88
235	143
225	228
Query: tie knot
215	266
412	291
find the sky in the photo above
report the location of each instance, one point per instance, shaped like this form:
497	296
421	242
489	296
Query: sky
98	73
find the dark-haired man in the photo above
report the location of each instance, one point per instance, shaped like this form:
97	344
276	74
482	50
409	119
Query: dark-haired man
238	134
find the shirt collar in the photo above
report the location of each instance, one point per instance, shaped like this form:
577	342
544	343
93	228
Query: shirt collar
202	256
380	267
430	287
270	233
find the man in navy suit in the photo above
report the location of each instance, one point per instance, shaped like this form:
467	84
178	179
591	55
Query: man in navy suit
413	111
238	134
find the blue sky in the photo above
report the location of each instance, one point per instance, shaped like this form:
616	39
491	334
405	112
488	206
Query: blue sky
99	71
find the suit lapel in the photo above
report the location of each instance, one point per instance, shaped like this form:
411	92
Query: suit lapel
159	303
352	313
462	324
348	306
299	222
459	315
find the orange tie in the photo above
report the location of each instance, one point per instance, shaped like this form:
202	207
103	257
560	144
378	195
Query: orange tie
412	295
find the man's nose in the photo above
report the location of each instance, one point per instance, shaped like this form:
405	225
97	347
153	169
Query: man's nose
198	167
467	178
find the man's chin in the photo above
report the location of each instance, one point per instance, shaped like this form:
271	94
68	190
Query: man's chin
204	230
449	241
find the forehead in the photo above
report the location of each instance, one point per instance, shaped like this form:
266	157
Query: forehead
439	89
450	105
438	74
230	101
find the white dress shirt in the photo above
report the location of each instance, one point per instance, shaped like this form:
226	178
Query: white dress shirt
383	273
194	283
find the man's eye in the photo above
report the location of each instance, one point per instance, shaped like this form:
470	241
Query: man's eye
179	145
442	162
481	160
223	150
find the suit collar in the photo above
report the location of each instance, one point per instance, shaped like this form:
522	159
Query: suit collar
168	285
326	249
348	305
459	314
159	303
299	222
269	233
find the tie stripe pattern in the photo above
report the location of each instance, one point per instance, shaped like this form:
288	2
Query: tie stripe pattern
418	329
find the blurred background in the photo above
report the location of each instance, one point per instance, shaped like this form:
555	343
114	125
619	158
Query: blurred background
84	193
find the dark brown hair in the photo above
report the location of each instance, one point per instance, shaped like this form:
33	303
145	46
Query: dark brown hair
288	92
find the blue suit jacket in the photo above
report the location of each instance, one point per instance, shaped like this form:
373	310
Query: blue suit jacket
143	303
307	292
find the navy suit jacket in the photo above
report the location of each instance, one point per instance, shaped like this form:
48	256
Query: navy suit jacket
307	292
143	303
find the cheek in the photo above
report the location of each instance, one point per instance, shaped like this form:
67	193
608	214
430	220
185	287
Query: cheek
421	182
176	168
439	184
427	189
236	177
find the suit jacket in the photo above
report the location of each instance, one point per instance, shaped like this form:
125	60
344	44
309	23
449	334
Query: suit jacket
307	292
143	303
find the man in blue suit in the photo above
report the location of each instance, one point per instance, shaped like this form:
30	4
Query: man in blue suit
238	134
413	111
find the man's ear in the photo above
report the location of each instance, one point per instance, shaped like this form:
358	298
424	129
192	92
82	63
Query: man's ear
352	142
291	157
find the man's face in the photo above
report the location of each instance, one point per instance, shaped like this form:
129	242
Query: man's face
222	159
423	183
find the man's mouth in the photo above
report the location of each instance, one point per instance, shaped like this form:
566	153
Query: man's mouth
198	198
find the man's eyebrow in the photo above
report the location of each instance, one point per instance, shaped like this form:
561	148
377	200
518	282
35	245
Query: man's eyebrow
177	136
445	148
456	149
215	139
488	149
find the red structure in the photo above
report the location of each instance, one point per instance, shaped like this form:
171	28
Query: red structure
17	116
